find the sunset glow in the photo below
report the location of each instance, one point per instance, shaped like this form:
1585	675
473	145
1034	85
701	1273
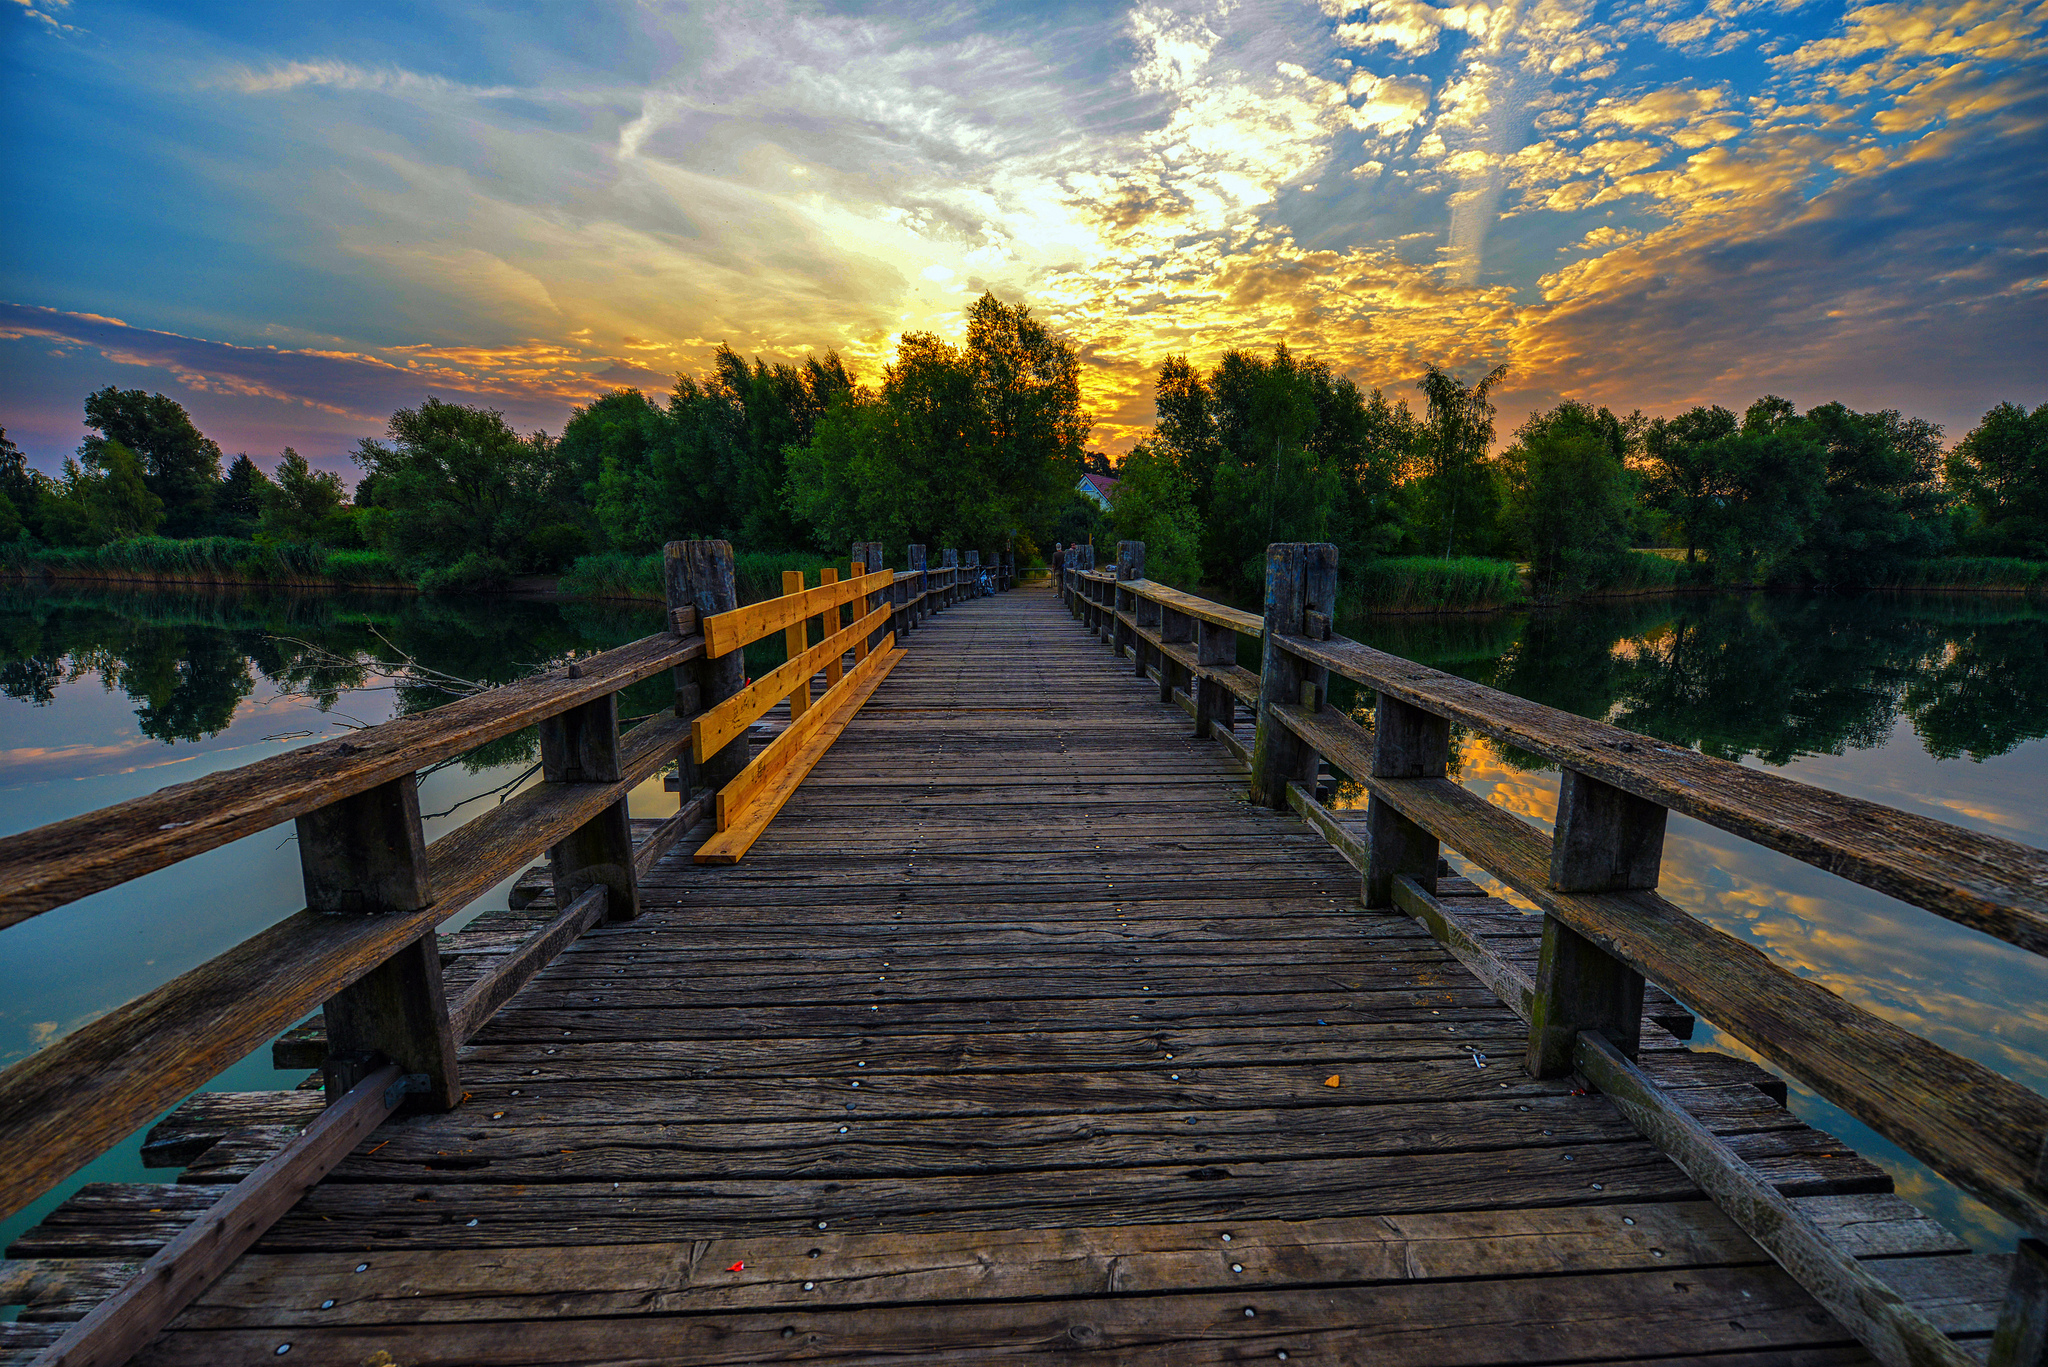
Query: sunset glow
296	223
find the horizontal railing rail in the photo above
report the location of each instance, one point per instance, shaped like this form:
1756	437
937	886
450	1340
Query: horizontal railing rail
1606	930
365	952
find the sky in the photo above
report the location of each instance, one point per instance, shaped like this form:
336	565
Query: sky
297	219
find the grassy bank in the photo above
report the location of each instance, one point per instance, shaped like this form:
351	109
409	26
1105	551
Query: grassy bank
1982	574
1427	584
759	574
206	560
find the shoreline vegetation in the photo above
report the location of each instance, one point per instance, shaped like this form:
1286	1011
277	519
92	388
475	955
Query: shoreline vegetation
1388	586
983	444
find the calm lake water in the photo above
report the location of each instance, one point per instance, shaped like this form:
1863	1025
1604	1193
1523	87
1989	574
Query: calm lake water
1935	706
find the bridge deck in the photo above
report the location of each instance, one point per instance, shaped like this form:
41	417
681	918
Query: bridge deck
1020	1031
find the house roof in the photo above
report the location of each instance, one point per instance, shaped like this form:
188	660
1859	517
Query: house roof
1104	484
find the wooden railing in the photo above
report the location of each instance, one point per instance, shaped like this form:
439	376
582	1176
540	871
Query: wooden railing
364	951
1605	929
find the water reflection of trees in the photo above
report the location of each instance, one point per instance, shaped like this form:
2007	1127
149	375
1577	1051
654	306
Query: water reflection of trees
188	661
1770	677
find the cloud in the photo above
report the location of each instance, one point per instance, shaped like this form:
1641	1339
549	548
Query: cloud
289	76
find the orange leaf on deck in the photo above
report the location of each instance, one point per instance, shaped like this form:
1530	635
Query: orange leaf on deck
1333	1080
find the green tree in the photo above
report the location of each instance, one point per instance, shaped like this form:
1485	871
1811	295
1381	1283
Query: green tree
106	499
457	485
239	502
1882	504
1278	449
963	446
1687	474
1153	504
20	492
1456	491
1571	498
1774	473
303	505
180	463
2001	468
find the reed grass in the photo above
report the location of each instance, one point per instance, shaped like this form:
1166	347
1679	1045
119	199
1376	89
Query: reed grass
1426	584
202	560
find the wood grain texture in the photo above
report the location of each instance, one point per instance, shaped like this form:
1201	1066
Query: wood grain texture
1896	1334
725	632
72	1101
66	860
1991	884
1010	1015
126	1321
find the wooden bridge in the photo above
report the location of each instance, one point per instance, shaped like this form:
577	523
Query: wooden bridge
997	1010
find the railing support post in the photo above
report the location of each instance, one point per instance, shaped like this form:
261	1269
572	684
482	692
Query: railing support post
1215	704
1407	742
952	564
1176	628
1606	841
914	557
367	855
1301	578
1130	565
699	574
582	746
873	560
2021	1339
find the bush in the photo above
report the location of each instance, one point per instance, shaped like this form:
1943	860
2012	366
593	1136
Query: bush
476	572
1426	583
1988	573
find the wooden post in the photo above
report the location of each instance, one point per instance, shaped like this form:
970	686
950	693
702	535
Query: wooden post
1130	565
581	745
1301	578
1606	841
699	574
1407	743
1214	703
952	563
1175	628
2021	1339
367	856
914	557
873	560
795	641
854	571
834	668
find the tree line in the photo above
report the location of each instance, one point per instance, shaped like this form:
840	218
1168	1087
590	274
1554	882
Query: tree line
983	444
1279	448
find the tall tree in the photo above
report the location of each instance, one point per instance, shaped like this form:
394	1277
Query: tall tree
1687	474
106	499
180	463
2001	467
301	506
1457	432
1571	497
239	502
457	482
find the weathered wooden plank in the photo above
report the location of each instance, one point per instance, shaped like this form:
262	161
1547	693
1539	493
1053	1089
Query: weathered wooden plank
1980	1130
1894	1332
846	1270
1983	881
127	1320
66	860
1609	1316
